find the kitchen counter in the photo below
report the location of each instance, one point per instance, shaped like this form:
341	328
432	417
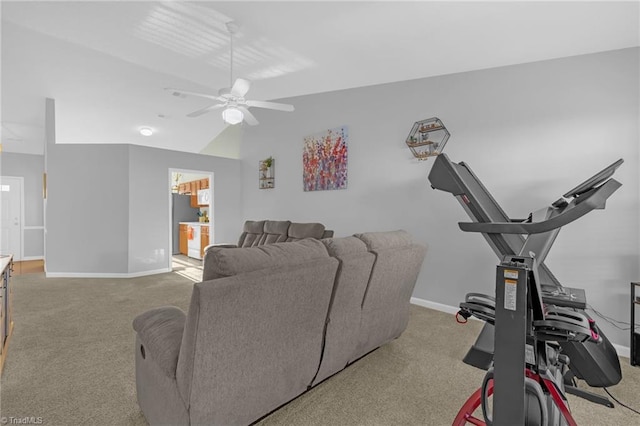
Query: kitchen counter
5	260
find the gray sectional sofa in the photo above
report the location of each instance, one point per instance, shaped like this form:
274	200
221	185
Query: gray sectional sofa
261	232
270	322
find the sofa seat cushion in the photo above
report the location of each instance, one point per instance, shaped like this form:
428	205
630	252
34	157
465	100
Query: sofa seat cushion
226	262
160	331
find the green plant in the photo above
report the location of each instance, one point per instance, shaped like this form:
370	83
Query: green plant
268	162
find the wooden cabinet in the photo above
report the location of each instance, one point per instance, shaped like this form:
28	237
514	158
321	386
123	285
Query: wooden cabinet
6	313
184	239
204	238
194	201
193	186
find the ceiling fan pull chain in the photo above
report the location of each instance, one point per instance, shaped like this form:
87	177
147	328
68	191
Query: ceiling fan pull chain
230	58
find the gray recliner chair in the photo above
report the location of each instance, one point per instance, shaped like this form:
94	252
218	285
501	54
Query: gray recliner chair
250	341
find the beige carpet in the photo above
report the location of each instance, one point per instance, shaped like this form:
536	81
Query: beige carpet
70	362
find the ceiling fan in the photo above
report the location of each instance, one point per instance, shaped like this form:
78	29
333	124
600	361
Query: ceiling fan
236	107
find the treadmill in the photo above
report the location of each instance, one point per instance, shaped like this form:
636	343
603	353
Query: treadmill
596	363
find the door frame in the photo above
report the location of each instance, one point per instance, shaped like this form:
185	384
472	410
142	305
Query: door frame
20	179
212	217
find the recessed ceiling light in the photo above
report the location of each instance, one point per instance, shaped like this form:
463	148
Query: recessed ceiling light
145	131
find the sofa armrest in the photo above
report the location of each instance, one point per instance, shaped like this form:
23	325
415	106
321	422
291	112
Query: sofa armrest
160	331
223	245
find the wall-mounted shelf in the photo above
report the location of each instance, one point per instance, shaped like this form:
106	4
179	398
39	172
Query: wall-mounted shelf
266	173
427	138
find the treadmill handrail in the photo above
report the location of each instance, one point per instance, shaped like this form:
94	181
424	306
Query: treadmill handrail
576	209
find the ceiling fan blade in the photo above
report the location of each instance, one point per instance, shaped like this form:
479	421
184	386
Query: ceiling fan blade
178	92
204	110
270	105
240	87
248	117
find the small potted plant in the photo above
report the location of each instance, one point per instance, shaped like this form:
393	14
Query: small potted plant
268	162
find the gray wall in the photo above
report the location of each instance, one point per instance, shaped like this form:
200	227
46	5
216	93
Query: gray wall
30	167
108	206
530	132
149	202
87	209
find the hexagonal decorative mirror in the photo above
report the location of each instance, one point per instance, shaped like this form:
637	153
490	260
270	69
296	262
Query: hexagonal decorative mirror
427	138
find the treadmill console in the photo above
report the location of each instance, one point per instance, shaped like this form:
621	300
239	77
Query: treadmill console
594	180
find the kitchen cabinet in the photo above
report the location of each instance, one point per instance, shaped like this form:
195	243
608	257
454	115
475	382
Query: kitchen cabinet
194	238
204	239
184	239
193	186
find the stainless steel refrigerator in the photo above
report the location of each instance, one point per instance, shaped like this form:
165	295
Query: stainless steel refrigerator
181	211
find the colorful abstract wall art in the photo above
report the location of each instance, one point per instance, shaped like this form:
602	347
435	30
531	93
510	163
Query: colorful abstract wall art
324	160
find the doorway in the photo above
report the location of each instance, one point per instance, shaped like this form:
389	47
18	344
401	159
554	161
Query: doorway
12	207
191	219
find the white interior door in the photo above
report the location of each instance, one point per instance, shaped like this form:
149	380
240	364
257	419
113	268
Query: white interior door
11	220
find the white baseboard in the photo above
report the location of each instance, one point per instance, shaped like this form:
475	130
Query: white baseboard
623	351
28	258
105	275
434	305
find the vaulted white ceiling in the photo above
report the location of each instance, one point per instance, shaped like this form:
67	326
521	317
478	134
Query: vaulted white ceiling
106	64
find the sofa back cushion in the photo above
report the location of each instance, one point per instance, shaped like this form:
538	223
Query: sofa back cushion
275	231
343	327
224	262
299	231
385	305
258	233
251	233
253	338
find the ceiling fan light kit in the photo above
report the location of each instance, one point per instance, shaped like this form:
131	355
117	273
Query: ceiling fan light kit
232	115
236	107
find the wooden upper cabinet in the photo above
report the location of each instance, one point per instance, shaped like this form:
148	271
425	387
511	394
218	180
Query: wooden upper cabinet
193	187
194	201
